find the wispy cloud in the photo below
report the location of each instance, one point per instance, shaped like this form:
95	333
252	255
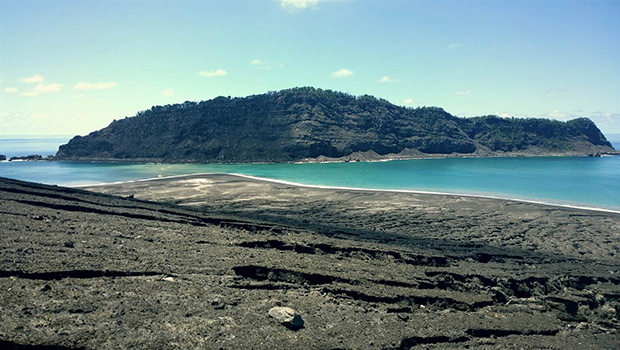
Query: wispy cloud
408	101
342	73
453	46
559	115
79	96
94	86
296	5
214	73
11	90
387	79
168	92
462	92
33	79
552	91
42	88
264	65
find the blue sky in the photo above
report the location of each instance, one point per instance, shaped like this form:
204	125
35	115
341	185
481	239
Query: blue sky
71	67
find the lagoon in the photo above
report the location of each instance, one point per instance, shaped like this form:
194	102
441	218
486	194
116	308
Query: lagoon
581	181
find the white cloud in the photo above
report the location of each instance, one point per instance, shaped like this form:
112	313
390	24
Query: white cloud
453	46
408	101
462	92
559	115
387	79
33	79
295	5
79	96
94	86
215	73
168	92
265	65
342	73
504	115
42	88
49	87
10	90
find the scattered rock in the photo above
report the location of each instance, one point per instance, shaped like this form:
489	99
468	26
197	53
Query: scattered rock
287	316
168	279
218	303
403	317
29	157
69	244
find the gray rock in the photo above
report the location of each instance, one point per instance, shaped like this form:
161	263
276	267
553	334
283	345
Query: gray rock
287	316
218	303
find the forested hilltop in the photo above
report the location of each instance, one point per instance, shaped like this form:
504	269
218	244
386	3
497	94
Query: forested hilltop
308	123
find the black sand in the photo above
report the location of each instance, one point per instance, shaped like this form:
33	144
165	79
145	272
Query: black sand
365	270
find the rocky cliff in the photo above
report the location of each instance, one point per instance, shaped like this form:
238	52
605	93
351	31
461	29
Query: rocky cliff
309	123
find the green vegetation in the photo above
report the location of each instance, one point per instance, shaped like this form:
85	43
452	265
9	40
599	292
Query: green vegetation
299	123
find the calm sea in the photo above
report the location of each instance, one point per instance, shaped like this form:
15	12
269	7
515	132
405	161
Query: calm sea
591	182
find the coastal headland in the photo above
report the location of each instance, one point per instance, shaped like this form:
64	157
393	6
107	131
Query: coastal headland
310	124
199	261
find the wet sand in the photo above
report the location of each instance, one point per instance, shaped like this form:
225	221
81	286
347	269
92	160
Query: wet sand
365	270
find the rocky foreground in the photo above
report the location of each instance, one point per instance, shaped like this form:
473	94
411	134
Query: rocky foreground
222	260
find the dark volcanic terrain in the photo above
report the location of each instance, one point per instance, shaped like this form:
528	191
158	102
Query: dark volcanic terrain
365	270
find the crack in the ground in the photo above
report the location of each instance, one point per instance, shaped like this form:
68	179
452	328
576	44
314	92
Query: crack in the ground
261	273
520	288
323	248
471	334
440	303
57	275
190	220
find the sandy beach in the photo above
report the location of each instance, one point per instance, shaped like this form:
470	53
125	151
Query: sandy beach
199	261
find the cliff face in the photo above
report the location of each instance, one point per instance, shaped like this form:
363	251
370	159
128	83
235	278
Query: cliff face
301	123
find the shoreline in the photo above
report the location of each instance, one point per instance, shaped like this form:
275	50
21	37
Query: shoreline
355	158
361	189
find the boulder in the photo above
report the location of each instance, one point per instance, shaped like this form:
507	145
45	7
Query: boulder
287	317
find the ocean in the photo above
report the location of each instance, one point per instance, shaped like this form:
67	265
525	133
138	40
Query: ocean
577	181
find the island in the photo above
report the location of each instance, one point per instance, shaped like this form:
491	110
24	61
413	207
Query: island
310	124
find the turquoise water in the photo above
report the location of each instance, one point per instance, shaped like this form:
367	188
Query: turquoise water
593	182
563	180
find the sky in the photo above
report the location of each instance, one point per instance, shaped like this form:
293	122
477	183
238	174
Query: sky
71	67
